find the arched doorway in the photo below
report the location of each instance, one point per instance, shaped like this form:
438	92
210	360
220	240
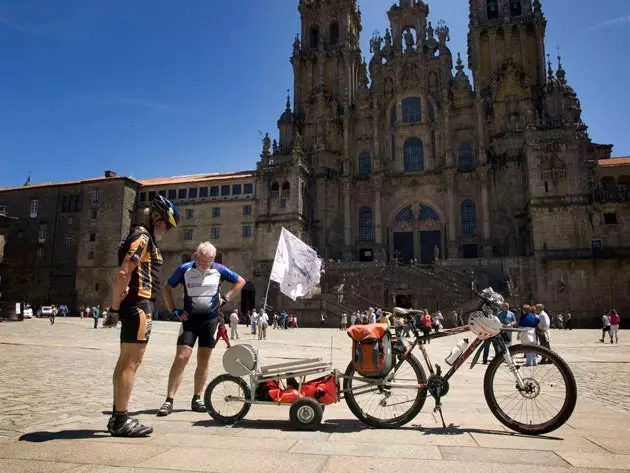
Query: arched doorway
248	298
417	234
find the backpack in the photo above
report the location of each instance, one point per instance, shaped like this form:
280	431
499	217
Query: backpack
371	349
614	319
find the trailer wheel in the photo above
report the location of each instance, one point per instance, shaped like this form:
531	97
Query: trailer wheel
306	414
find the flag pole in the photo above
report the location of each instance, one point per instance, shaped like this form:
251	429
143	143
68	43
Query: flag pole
267	294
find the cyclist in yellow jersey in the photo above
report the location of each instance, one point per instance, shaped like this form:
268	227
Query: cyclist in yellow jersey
135	289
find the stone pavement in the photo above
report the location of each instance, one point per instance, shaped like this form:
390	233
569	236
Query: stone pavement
55	396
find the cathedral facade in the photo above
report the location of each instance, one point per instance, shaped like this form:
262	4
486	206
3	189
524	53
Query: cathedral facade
407	180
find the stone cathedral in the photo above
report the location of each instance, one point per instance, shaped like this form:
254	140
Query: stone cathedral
414	185
400	159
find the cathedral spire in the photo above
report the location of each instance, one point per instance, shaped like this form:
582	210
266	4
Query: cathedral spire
550	77
561	74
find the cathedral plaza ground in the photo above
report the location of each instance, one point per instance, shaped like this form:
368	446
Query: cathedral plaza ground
55	393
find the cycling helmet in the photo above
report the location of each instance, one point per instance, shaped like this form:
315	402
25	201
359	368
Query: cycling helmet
484	326
166	209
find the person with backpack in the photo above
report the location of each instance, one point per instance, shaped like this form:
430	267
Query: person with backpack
614	325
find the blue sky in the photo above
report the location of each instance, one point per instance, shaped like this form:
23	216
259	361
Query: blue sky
188	86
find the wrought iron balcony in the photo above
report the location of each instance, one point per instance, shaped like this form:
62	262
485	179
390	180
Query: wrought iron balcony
603	195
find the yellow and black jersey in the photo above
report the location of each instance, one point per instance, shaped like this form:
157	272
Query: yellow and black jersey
138	246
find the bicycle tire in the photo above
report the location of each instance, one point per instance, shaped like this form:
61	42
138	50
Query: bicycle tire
557	421
207	398
401	420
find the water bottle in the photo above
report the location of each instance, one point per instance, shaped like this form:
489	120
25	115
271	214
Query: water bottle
456	351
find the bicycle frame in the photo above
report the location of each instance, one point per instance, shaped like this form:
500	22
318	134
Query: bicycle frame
476	344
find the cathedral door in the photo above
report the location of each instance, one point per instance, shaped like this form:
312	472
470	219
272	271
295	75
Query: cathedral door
248	298
428	242
403	246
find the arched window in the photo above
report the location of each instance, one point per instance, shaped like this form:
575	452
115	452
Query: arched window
275	189
465	162
365	224
469	218
314	36
492	9
334	32
431	113
405	215
286	190
365	164
412	108
515	7
414	155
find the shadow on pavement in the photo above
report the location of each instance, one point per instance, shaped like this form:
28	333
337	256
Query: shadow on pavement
146	411
456	430
38	437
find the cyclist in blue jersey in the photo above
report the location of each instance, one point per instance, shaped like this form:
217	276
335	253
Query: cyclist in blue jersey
201	280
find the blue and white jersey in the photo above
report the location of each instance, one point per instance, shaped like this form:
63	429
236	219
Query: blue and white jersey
201	287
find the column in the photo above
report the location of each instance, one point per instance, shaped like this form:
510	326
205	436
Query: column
493	50
378	225
375	144
522	34
540	39
484	210
320	72
508	42
347	221
335	78
452	219
447	129
480	129
309	76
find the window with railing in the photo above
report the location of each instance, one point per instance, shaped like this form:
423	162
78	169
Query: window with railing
225	190
188	234
182	193
365	164
172	194
248	189
34	209
366	231
214	234
247	231
214	191
465	162
286	190
192	192
413	155
469	218
412	110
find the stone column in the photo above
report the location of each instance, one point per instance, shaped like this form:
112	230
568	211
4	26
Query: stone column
378	223
481	136
452	216
492	34
540	39
347	221
447	129
485	214
309	76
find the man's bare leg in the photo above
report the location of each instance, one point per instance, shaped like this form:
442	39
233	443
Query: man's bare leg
175	376
177	369
129	360
201	373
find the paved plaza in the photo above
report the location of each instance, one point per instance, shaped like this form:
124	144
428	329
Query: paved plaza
55	393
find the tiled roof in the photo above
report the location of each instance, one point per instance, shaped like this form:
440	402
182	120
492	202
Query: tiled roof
162	181
625	160
61	183
158	181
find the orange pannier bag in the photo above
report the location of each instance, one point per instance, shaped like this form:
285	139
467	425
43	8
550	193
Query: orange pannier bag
371	349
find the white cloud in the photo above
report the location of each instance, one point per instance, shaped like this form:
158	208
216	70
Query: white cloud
608	23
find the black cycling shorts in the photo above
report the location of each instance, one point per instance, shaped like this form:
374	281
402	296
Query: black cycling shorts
136	320
204	329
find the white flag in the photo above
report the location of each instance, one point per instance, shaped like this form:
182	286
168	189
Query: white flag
296	266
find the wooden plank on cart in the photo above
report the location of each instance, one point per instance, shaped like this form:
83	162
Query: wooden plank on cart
293	373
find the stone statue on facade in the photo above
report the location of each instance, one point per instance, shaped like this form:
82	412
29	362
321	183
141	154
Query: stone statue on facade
408	41
436	254
375	43
296	46
266	145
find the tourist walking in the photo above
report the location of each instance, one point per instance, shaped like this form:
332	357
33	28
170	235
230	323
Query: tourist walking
605	326
615	320
234	324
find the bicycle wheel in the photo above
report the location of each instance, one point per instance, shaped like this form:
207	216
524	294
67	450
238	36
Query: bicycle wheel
233	391
380	397
528	411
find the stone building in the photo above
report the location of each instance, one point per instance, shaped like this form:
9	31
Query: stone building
63	248
410	182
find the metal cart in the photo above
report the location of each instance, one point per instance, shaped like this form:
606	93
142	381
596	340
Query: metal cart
229	397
